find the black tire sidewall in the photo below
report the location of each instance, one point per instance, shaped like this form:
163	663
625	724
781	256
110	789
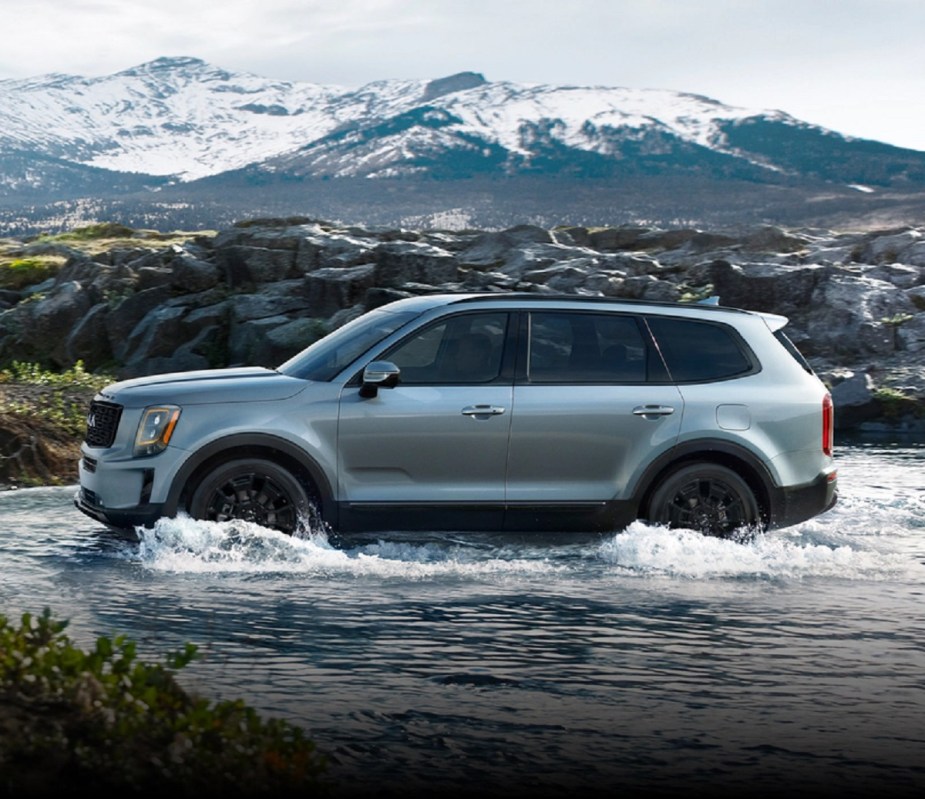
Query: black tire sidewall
200	499
657	511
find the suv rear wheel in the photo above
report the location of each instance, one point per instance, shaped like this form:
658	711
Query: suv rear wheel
706	497
258	491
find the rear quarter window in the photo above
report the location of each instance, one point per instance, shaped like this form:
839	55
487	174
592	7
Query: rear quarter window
794	352
697	351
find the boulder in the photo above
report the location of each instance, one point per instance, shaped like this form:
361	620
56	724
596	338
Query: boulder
854	400
329	290
254	266
400	262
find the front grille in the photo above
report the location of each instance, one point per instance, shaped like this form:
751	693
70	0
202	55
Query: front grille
102	423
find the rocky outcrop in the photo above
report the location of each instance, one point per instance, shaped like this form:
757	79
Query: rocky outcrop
260	292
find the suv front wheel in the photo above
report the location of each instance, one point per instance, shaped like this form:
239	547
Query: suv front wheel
258	491
706	497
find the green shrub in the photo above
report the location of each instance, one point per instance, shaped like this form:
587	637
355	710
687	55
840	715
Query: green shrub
36	375
104	720
59	396
894	404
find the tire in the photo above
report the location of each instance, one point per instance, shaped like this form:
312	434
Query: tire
258	491
706	497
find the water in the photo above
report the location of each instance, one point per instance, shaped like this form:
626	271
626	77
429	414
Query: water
650	660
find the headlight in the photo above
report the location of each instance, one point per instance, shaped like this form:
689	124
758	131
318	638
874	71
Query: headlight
155	429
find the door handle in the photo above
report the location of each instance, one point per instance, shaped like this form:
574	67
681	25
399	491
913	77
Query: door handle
482	410
653	410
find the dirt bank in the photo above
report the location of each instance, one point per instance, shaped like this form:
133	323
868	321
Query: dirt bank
39	444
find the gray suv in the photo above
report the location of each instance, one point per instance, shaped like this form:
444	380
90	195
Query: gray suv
494	412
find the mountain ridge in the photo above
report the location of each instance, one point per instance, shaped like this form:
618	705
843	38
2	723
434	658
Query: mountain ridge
155	133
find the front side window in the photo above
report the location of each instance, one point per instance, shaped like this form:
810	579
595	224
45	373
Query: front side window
464	349
567	347
697	351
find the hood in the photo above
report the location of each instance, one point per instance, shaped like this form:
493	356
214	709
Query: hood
242	384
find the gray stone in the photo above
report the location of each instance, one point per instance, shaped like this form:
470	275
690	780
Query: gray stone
855	301
400	262
121	320
88	340
52	318
910	335
329	290
254	266
854	400
194	274
774	288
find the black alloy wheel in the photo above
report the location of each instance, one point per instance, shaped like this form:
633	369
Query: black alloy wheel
256	491
706	497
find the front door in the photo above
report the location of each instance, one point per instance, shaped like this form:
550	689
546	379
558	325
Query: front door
431	453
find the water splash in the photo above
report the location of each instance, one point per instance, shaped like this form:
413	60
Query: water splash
186	545
793	553
183	545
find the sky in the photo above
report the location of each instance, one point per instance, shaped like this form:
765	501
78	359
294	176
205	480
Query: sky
854	66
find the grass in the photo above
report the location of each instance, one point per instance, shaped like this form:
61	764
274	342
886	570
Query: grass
105	236
18	273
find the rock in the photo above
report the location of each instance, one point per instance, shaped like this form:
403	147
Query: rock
45	324
910	334
194	274
854	401
400	262
254	266
774	288
261	291
331	289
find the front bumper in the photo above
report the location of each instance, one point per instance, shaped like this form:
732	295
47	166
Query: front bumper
87	502
117	493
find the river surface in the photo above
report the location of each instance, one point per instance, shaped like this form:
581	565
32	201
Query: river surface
648	661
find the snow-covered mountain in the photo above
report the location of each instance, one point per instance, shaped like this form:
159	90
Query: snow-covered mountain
176	121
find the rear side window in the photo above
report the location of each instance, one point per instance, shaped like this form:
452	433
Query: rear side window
567	347
696	351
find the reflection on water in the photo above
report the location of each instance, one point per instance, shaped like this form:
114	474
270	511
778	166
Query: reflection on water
648	659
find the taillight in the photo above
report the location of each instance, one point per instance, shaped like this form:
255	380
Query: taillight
828	424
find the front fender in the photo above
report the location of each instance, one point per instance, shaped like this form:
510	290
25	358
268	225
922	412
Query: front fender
240	445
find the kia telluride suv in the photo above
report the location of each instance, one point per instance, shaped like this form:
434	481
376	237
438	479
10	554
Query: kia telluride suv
464	412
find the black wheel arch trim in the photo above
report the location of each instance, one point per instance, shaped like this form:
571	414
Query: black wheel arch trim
715	451
237	446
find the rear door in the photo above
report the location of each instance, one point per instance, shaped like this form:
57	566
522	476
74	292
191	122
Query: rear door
592	408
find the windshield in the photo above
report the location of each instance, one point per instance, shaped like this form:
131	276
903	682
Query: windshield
329	355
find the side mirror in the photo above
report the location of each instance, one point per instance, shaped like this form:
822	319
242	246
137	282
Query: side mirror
379	374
